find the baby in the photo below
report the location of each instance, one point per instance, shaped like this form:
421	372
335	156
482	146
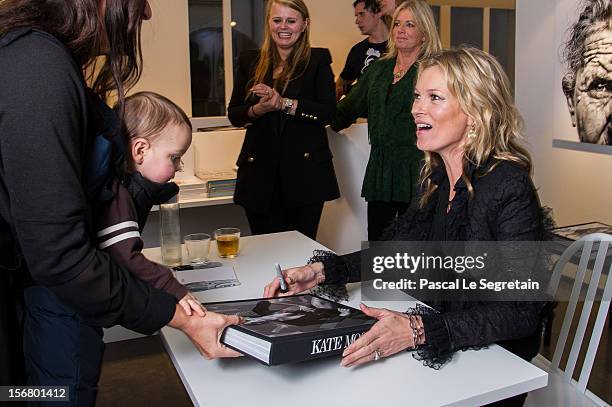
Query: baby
158	133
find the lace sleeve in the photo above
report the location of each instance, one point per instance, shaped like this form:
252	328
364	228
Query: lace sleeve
339	270
438	349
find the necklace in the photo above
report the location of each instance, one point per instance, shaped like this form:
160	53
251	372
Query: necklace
397	75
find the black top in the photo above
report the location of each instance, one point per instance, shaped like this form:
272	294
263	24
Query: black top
360	57
46	124
283	152
505	207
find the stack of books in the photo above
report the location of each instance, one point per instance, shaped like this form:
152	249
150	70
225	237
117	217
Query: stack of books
218	183
191	187
566	235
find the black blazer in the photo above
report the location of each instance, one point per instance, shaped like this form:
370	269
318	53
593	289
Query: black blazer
283	152
505	207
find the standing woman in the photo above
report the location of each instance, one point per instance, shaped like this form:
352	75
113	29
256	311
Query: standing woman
284	94
384	95
50	117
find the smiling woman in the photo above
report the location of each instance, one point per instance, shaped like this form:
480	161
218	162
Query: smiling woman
475	186
284	94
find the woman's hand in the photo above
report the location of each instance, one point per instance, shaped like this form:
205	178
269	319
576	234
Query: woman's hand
298	279
391	334
189	303
270	99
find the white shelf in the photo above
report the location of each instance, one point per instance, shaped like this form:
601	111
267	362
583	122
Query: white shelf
587	147
198	202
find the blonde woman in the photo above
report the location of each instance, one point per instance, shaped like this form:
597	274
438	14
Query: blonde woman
475	186
384	95
284	94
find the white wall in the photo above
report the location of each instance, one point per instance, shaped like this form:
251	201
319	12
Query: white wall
343	224
165	49
575	184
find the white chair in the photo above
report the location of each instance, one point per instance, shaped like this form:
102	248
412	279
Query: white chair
562	389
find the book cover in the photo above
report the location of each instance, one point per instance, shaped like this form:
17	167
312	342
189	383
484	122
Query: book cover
291	329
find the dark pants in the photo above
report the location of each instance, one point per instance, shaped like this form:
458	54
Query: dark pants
304	219
12	367
381	215
61	348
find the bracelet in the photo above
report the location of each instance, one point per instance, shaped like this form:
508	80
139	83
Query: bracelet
418	330
287	105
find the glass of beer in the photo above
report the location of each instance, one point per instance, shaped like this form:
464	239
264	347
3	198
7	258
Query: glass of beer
228	240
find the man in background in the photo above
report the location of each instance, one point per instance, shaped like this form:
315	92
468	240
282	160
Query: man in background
368	18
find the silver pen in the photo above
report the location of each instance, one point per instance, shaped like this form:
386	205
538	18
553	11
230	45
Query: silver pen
281	278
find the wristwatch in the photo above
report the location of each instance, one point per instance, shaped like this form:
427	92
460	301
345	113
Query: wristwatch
287	105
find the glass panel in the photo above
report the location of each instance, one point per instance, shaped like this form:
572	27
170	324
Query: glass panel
206	48
466	26
436	14
206	58
501	39
248	20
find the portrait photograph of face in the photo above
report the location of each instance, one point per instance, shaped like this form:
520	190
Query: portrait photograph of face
588	83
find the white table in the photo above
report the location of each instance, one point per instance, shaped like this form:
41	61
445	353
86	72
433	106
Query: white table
471	378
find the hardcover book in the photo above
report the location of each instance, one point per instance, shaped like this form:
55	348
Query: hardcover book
291	329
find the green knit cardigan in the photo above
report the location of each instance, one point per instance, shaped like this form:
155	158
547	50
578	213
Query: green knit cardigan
394	163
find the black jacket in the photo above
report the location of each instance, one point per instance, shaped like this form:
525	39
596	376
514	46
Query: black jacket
505	207
46	125
290	153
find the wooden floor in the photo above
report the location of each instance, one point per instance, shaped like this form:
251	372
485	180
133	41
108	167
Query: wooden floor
138	372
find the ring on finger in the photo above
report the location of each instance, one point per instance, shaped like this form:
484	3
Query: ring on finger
377	354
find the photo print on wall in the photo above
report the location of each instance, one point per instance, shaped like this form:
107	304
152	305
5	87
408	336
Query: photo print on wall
587	84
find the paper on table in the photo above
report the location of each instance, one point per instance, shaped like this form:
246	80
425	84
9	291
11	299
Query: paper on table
208	278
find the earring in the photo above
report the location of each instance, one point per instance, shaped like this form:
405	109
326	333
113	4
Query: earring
472	133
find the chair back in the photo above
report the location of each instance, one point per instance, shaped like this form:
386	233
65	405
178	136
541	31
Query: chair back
599	243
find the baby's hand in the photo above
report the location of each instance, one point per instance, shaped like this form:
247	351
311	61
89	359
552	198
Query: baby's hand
190	302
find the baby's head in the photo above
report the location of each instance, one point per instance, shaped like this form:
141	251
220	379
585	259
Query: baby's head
158	134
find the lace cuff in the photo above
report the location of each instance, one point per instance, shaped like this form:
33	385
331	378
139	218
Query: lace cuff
438	350
336	271
336	276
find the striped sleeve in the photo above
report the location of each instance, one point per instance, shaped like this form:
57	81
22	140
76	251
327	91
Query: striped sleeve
118	233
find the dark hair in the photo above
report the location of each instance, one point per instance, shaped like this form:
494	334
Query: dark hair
147	114
371	5
592	12
76	23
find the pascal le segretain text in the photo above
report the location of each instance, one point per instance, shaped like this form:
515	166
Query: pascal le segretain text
457	284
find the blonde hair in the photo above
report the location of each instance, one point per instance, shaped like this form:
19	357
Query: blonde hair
483	92
424	20
298	59
148	113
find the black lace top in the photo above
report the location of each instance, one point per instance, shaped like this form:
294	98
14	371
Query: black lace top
505	207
